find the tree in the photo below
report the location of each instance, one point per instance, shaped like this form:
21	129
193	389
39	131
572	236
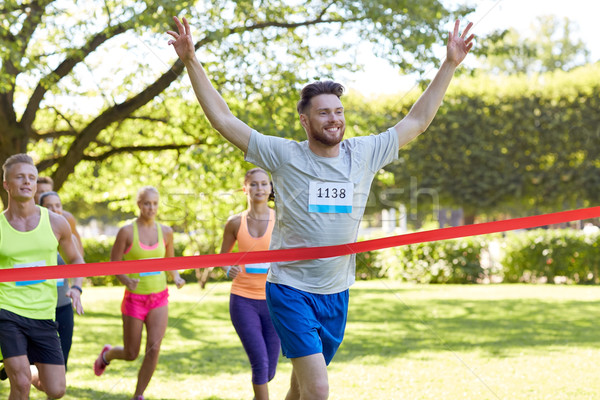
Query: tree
500	145
551	47
86	85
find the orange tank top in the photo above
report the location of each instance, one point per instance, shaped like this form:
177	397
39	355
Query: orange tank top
251	280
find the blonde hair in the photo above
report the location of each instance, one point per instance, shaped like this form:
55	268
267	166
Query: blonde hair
20	158
144	190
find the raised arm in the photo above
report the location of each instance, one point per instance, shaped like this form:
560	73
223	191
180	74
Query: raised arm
215	108
424	110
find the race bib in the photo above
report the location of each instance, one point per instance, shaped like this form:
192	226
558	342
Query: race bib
259	268
149	273
330	197
41	263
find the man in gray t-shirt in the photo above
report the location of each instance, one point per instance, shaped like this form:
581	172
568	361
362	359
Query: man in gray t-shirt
321	186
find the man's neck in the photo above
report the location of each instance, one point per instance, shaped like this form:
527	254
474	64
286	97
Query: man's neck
20	209
323	150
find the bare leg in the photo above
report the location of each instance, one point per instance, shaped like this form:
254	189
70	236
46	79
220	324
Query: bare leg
19	376
156	326
52	379
309	378
261	392
132	338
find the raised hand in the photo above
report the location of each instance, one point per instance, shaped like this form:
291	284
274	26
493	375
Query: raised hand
458	47
182	40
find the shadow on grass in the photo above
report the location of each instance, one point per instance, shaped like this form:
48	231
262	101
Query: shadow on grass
394	326
91	394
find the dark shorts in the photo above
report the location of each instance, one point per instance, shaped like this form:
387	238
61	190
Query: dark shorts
307	323
35	338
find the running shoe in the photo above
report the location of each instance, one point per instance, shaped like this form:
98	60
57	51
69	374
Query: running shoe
100	364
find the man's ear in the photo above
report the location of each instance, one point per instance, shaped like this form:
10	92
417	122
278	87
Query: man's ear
303	120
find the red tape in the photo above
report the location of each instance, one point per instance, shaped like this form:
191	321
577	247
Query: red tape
307	253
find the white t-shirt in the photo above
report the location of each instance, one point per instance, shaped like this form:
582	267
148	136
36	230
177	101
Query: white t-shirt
319	201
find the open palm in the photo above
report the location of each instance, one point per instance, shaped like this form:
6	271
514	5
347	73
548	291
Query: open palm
458	47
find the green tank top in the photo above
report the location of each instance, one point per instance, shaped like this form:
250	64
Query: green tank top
150	282
35	248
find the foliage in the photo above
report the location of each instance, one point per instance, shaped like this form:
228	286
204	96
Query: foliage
449	261
552	47
98	250
545	254
83	87
498	145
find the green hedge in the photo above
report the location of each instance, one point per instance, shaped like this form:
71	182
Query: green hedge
98	250
533	256
541	255
449	261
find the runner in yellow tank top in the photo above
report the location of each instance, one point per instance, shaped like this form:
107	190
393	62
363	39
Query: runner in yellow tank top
30	237
146	294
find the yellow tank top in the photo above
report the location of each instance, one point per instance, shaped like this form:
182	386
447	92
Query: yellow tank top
150	282
251	281
35	248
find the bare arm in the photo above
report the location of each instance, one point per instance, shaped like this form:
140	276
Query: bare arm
229	237
424	110
73	224
215	108
170	252
69	252
122	241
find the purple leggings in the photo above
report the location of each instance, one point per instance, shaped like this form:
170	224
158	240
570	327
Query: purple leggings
253	325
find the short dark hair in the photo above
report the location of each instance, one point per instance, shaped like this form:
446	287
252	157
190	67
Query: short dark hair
20	158
45	180
316	88
47	194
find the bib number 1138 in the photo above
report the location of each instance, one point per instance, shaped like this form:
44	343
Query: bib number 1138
330	197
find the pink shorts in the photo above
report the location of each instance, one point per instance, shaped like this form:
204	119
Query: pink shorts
139	305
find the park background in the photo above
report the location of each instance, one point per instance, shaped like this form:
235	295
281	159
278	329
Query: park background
94	94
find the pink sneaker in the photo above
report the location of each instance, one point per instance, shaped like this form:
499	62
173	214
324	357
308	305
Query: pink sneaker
100	364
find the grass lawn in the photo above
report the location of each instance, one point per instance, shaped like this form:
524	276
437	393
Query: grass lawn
402	342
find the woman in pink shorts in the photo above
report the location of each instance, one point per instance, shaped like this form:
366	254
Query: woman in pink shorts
146	294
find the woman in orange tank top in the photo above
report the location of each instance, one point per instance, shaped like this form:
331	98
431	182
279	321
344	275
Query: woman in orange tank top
247	303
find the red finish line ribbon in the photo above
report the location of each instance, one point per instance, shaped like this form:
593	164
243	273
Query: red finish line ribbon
306	253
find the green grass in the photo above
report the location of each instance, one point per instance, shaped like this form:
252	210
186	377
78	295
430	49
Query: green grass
402	342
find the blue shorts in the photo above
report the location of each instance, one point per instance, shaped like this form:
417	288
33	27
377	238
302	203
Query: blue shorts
307	323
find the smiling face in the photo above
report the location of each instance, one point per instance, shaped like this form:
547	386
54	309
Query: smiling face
257	187
324	122
21	181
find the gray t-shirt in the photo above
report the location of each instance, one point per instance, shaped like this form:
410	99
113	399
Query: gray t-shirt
320	201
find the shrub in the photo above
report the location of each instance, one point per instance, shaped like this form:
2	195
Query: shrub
98	250
541	255
449	261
